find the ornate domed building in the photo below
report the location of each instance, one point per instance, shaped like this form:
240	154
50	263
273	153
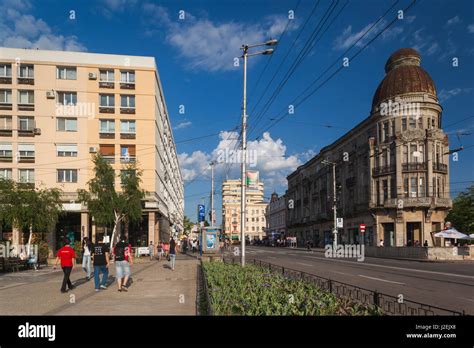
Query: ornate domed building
391	169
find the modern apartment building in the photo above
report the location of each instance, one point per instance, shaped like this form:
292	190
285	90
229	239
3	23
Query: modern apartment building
392	169
255	212
276	216
58	109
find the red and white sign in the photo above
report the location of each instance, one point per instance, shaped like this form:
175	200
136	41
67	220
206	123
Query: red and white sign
362	228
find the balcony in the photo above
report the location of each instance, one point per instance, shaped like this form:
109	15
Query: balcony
408	202
107	84
413	166
127	85
106	109
26	132
6	132
25	80
440	167
6	80
109	159
27	159
127	135
127	110
6	158
128	159
6	106
383	170
26	106
107	135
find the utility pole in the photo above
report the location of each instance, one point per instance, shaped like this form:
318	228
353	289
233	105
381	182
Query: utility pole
243	180
212	192
334	201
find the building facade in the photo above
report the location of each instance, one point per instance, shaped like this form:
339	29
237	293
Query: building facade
276	216
255	213
392	169
58	109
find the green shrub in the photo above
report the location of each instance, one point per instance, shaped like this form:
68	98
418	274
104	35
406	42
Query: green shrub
234	290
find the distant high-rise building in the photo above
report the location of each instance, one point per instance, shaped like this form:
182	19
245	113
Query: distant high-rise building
255	210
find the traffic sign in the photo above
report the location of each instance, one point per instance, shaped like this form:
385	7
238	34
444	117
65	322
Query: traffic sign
201	212
339	222
362	228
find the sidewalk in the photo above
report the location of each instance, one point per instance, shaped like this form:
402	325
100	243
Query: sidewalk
155	290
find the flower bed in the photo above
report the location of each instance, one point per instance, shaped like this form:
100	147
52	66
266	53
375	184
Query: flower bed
234	290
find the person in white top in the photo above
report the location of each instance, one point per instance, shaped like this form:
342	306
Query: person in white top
86	257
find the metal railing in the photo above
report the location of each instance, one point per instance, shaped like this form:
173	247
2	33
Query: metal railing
390	305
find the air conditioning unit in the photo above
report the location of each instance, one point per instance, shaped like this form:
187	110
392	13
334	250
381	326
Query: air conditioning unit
50	95
92	76
37	131
92	149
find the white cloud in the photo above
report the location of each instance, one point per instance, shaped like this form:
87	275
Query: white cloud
19	29
452	21
433	48
267	155
208	45
349	38
183	124
444	94
109	7
470	28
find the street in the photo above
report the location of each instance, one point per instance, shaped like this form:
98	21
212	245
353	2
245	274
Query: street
442	284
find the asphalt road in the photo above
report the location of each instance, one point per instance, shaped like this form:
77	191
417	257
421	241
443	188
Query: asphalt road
443	284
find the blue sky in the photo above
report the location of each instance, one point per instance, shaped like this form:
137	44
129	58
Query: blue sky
195	61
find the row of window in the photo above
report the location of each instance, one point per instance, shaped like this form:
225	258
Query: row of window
387	128
27	97
27	176
413	186
66	73
27	123
62	150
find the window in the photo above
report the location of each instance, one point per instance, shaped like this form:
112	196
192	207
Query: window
127	153
393	127
26	71
393	188
6	150
107	76
5	123
127	101
67	98
66	73
26	97
404	124
434	187
26	150
127	76
433	123
377	190
412	122
385	131
5	173
108	152
413	153
66	150
66	124
107	126
5	96
5	70
384	158
67	175
26	175
107	100
26	123
405	186
127	126
385	189
413	187
420	122
421	190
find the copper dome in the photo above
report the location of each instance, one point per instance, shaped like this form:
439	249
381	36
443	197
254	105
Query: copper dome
403	75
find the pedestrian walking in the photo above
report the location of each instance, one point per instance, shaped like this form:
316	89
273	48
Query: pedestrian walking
151	251
381	243
166	249
174	248
159	248
123	261
67	256
194	243
101	259
425	244
86	257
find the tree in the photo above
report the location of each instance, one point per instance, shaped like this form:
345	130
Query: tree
461	215
26	207
108	206
188	225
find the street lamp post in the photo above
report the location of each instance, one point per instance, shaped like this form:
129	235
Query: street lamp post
245	56
334	204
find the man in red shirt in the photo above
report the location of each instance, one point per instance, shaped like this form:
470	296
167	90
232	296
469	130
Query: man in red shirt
67	256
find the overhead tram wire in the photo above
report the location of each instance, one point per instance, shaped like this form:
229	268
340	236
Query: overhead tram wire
254	89
347	50
304	52
277	120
